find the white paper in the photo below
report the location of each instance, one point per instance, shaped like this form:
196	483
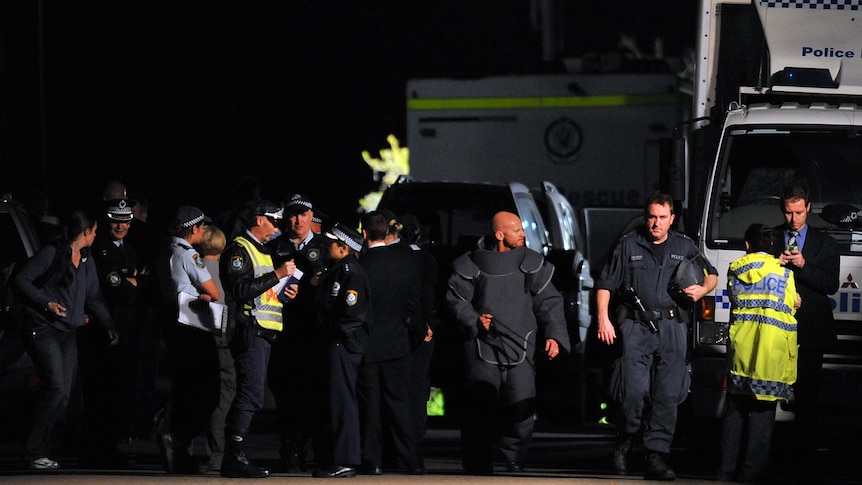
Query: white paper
211	322
288	280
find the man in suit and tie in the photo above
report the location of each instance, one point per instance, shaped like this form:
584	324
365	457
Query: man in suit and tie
382	388
814	258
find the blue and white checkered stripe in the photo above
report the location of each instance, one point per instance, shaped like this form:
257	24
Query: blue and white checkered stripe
814	4
760	386
722	300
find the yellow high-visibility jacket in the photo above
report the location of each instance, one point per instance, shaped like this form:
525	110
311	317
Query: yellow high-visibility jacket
267	308
763	349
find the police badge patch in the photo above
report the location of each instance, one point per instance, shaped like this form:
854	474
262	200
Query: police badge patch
313	254
114	279
352	297
199	261
236	263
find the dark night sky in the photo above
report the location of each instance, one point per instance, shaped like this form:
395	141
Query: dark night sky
180	101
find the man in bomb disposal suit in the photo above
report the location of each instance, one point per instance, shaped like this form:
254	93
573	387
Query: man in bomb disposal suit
504	302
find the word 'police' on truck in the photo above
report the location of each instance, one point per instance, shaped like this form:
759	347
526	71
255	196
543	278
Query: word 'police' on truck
777	100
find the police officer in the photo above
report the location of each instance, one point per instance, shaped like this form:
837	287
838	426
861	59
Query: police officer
109	375
253	284
192	353
653	359
298	363
762	352
344	307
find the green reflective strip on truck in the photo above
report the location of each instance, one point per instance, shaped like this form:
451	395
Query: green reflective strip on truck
541	102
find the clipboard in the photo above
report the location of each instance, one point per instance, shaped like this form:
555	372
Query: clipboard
196	313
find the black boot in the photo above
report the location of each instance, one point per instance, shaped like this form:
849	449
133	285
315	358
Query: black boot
166	450
621	453
183	463
175	454
235	463
655	467
291	460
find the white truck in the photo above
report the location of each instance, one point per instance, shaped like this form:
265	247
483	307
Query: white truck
777	99
595	136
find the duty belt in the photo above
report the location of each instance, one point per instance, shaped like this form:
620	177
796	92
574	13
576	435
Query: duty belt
654	315
270	335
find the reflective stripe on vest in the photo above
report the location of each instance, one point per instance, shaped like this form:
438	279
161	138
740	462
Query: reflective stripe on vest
267	307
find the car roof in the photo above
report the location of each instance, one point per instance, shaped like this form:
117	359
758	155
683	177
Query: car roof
14	221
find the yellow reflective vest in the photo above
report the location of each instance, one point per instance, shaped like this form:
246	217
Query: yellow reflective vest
267	307
763	349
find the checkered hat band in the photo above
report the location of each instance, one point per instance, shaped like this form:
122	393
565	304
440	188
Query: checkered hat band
347	239
821	4
193	221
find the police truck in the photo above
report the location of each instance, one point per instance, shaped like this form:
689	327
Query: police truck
776	99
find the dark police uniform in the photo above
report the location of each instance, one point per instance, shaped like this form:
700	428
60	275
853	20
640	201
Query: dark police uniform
254	298
344	306
298	363
252	341
654	363
109	374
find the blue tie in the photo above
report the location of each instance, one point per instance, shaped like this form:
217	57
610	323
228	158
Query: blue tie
791	240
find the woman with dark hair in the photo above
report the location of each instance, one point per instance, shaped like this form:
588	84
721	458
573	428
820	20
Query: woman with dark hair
762	354
56	284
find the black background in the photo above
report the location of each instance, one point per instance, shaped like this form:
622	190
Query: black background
179	101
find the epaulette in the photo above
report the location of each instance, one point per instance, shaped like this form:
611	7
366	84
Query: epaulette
626	236
682	235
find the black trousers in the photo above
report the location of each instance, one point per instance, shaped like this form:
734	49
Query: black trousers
383	395
746	436
195	381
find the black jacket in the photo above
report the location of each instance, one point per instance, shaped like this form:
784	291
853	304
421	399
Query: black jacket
394	282
815	282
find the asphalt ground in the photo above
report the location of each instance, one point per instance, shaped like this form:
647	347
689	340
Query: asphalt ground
589	464
559	454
